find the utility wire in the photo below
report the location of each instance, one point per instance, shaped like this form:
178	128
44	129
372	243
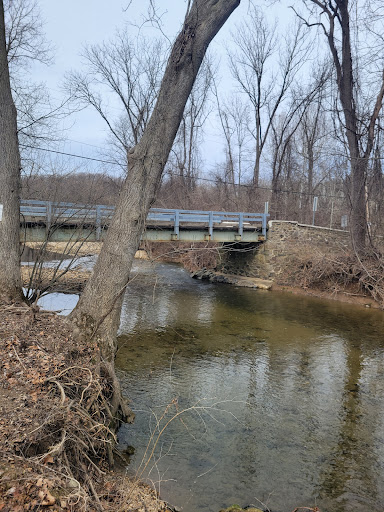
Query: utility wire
295	192
210	180
70	154
83	143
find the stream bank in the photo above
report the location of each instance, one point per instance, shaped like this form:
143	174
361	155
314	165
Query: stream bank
299	275
294	280
43	424
349	297
300	260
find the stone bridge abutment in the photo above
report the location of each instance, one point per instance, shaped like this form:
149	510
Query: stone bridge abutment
271	259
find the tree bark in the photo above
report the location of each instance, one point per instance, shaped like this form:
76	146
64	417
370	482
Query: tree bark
10	277
358	164
97	314
337	12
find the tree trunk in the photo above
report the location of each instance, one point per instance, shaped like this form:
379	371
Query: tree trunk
358	201
345	82
10	277
256	171
310	169
97	314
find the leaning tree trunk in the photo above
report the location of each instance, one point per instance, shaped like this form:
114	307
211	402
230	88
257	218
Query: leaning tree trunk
10	278
97	314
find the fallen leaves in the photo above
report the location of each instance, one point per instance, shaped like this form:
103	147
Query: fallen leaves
37	358
34	395
46	498
30	495
28	357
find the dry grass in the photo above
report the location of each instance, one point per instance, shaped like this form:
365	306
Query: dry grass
72	281
193	256
337	272
77	248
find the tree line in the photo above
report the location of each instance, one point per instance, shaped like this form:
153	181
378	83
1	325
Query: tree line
301	118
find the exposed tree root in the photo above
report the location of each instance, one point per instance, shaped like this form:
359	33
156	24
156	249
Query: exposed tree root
60	408
119	408
78	435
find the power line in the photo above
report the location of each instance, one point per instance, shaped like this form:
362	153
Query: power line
71	154
210	180
83	143
285	191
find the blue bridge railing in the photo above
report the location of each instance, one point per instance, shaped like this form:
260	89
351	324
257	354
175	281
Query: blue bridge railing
50	212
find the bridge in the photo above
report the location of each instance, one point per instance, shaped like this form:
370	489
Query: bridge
68	221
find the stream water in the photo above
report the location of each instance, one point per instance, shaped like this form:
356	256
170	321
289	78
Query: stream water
283	395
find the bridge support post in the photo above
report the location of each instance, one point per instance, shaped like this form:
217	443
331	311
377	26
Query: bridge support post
241	225
264	225
98	223
49	216
264	222
210	225
176	229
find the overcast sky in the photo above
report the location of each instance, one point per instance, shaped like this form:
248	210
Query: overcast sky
71	24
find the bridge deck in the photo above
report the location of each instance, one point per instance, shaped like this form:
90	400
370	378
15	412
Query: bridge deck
71	221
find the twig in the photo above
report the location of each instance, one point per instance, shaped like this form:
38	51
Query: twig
62	392
20	361
170	364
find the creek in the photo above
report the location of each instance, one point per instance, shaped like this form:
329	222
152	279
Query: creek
285	395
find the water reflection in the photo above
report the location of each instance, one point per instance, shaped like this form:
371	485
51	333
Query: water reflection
302	381
165	298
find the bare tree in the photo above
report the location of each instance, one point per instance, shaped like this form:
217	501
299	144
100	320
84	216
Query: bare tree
26	117
284	128
316	145
97	314
360	111
311	132
10	277
185	151
253	68
26	45
24	34
131	69
234	120
375	188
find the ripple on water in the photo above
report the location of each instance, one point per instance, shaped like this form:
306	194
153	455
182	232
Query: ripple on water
284	395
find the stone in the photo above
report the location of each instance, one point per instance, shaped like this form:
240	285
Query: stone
141	255
236	508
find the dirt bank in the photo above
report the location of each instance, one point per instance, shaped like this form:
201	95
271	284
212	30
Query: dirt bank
71	281
296	280
68	248
53	441
332	273
351	297
340	296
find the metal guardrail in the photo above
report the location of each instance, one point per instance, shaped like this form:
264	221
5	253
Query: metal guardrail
50	213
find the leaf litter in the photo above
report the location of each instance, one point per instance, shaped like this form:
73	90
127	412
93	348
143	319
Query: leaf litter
55	440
